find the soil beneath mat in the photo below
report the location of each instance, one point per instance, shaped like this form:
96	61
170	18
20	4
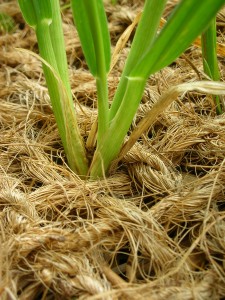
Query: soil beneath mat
152	229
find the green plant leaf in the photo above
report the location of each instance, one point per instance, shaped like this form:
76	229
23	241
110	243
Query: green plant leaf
208	41
143	39
209	56
91	23
35	11
189	19
58	44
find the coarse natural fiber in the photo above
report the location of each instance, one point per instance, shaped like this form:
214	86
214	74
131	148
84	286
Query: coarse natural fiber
153	228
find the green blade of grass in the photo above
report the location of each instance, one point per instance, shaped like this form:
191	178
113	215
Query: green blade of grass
58	44
209	56
208	41
76	153
143	39
40	14
91	23
189	19
35	11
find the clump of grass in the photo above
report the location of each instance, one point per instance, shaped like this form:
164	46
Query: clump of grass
150	52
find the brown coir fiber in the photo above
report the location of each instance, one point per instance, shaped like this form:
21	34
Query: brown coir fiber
152	229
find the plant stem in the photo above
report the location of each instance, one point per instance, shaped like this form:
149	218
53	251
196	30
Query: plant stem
101	74
62	104
209	55
107	151
143	39
58	45
44	16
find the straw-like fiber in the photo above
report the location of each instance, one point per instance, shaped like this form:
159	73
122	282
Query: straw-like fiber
154	227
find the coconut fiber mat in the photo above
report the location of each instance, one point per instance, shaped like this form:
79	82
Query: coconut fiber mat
154	227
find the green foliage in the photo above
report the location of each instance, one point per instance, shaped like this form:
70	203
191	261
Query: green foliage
150	52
